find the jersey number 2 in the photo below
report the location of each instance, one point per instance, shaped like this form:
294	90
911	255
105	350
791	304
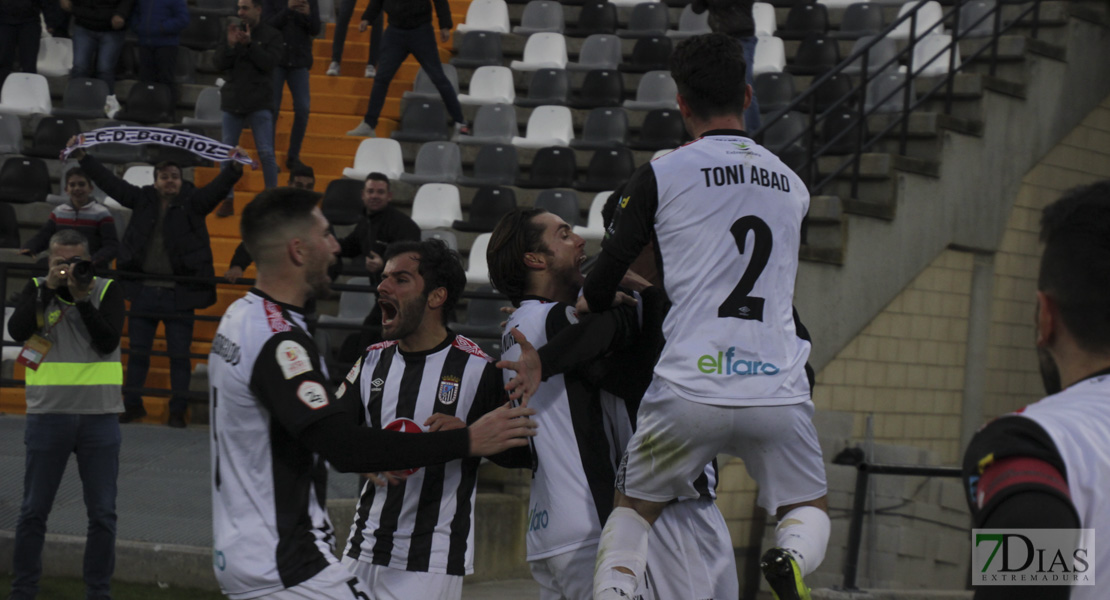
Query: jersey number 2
739	304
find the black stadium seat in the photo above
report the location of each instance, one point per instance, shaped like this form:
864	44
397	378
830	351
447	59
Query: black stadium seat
496	164
552	167
202	33
609	169
342	204
148	103
600	87
490	203
548	86
423	121
595	17
663	128
478	49
24	180
51	136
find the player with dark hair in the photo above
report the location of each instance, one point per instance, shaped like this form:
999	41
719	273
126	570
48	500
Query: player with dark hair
301	177
1043	467
276	422
725	217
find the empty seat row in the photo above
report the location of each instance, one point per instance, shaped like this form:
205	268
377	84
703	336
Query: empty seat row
546	16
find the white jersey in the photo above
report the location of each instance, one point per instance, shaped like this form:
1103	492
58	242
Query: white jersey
425	523
266	385
725	215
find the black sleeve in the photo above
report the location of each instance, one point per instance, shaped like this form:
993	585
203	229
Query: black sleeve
126	194
241	258
109	241
491	395
354	448
594	335
106	322
351	245
626	236
373	11
205	199
443	13
22	324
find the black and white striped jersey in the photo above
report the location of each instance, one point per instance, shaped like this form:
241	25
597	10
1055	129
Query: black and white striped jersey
266	385
425	522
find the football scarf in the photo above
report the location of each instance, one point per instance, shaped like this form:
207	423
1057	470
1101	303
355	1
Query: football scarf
200	145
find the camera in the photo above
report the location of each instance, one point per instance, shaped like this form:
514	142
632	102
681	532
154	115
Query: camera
83	271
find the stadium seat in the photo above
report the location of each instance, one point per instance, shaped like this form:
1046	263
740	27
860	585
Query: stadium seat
436	205
202	33
631	3
477	270
496	164
493	124
930	56
648	19
816	55
51	136
649	54
837	4
354	305
764	16
595	18
690	24
543	51
837	88
342	204
842	122
207	112
478	49
774	90
11	134
24	180
595	226
541	16
860	19
116	154
25	94
139	175
552	167
490	203
560	202
662	129
84	98
185	69
486	15
548	126
656	90
9	238
599	51
770	56
423	121
803	20
219	8
424	89
483	316
928	16
547	86
601	87
490	85
55	56
882	52
447	237
788	130
436	162
604	128
609	169
148	103
377	155
183	158
976	19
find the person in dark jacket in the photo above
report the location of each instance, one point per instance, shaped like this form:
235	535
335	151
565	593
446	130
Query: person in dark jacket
734	18
299	22
19	35
98	39
159	24
248	56
83	213
409	32
167	235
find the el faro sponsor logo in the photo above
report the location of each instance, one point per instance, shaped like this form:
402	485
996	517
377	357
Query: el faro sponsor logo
723	363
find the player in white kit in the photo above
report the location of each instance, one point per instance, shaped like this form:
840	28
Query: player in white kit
725	217
1047	466
597	370
276	422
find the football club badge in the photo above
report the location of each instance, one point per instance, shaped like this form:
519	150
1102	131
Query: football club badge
448	390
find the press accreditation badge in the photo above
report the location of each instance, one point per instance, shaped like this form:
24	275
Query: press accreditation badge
34	351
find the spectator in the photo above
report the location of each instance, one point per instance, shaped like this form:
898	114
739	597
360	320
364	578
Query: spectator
159	23
734	18
342	22
73	397
98	36
167	236
382	225
19	35
248	56
83	213
409	32
299	23
302	178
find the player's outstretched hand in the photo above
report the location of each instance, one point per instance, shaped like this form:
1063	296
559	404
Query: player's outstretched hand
501	429
529	369
387	477
78	153
442	422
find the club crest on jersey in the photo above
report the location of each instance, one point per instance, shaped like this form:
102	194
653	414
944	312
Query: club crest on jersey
313	394
448	390
293	359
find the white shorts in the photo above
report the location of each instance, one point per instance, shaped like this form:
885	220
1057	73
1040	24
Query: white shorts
675	438
386	583
333	583
690	555
566	576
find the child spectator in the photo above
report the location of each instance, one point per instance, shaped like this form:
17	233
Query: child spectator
83	213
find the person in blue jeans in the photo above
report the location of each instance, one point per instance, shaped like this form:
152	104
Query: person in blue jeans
158	25
409	32
342	23
97	33
299	22
734	18
73	399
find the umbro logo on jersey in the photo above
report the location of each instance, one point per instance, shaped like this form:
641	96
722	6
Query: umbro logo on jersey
376	385
448	390
723	364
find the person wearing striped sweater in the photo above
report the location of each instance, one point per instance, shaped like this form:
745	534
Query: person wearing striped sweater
83	213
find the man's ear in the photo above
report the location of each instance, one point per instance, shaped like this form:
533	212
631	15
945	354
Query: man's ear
295	249
535	260
1047	319
437	297
683	107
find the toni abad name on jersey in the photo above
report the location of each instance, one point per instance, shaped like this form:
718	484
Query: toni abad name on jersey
754	175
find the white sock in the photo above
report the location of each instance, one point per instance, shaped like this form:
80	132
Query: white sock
804	531
623	544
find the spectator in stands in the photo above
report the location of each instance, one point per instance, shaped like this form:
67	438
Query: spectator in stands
299	23
98	36
159	24
301	177
167	236
342	22
248	56
734	18
83	213
409	32
73	399
19	35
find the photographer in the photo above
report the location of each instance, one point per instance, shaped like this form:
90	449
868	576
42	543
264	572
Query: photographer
70	322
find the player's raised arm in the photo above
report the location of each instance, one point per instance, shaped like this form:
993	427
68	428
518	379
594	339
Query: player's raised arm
627	235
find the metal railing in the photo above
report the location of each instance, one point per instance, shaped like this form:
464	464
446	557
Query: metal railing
807	100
